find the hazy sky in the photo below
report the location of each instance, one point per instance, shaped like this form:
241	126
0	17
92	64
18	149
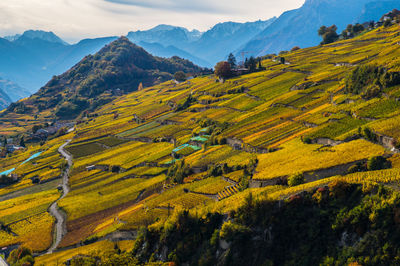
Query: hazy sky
77	19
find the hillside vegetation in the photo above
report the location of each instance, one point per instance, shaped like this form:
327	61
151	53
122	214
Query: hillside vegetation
279	152
118	68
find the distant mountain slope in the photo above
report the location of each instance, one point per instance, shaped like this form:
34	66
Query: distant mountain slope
118	67
4	99
42	35
13	91
31	62
210	47
374	10
215	44
169	51
165	35
33	58
299	27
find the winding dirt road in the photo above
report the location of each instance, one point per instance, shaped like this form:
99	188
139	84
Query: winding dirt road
60	225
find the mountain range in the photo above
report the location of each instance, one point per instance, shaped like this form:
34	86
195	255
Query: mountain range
31	59
299	27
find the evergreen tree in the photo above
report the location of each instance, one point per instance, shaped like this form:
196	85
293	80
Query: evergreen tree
232	60
260	64
22	142
252	64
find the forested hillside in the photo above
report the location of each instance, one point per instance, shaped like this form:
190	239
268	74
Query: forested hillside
118	68
295	163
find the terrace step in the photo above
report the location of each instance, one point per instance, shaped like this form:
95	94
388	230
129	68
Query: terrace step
228	191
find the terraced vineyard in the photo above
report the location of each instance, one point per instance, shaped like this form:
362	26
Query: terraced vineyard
205	145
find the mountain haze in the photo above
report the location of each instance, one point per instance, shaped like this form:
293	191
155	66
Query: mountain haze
299	27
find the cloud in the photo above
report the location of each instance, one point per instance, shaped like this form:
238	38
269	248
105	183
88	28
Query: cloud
177	5
77	19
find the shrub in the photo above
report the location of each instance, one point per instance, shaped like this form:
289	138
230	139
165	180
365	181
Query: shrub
377	163
339	189
21	256
115	169
369	134
295	48
231	231
359	167
6	180
387	23
296	180
180	76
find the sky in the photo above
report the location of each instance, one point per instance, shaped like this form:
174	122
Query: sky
74	20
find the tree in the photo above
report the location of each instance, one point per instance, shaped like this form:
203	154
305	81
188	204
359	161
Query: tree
252	64
232	60
295	48
180	76
21	256
377	163
328	34
387	23
295	180
322	30
260	67
22	142
223	70
283	60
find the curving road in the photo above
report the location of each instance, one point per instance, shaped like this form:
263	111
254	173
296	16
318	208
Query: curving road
3	262
60	225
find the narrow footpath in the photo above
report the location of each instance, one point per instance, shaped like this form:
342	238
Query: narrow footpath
60	228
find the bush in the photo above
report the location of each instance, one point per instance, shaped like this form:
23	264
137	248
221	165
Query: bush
6	180
377	163
296	180
369	134
231	231
359	167
180	76
295	48
21	256
115	169
387	23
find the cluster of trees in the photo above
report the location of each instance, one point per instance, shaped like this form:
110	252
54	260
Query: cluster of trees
353	30
178	171
225	69
328	34
370	80
339	224
374	163
21	256
186	104
6	180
